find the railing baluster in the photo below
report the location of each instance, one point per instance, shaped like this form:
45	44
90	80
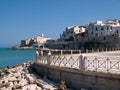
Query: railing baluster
96	64
108	63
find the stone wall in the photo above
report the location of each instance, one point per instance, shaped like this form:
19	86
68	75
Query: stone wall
110	41
78	79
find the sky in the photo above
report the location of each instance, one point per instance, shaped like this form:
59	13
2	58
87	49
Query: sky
23	19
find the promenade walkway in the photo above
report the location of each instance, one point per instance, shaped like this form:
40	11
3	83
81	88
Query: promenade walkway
108	62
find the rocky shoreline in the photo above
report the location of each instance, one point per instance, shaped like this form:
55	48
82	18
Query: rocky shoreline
22	77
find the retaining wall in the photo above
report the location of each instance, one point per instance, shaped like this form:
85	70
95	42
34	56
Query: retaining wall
78	79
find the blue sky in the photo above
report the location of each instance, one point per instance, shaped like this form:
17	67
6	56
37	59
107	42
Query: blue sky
22	19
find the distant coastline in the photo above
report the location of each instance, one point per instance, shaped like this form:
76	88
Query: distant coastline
23	48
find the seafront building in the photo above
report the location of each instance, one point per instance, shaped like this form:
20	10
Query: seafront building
70	33
103	34
97	34
36	42
68	37
100	28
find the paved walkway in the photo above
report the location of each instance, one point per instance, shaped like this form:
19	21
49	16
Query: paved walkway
100	65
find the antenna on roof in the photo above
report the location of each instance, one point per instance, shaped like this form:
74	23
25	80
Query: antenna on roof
42	35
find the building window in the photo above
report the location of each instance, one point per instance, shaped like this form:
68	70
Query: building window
96	29
102	28
92	33
111	27
86	32
96	34
104	38
108	28
117	31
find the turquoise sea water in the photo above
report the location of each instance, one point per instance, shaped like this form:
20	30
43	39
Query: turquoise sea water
12	57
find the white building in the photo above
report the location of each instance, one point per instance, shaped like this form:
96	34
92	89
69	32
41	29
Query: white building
25	42
35	42
70	32
100	28
41	39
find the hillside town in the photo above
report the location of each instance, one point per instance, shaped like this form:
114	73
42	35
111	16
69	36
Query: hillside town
99	34
69	67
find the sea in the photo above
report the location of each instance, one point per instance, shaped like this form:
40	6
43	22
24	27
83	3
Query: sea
10	57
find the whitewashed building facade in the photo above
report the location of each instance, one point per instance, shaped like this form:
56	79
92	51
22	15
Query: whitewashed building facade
100	28
70	32
35	42
95	34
